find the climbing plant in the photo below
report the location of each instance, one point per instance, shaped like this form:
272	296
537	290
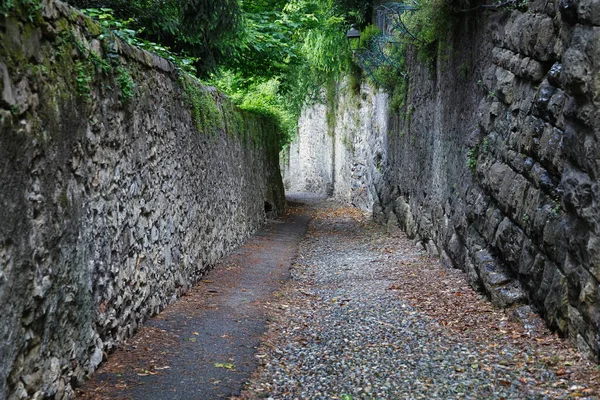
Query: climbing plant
419	27
27	9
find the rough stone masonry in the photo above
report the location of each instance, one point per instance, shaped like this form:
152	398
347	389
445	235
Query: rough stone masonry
494	162
121	183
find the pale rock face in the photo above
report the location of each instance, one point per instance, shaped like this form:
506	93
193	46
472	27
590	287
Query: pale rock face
342	162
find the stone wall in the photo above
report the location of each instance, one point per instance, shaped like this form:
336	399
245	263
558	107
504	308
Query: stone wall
345	160
310	156
493	164
121	184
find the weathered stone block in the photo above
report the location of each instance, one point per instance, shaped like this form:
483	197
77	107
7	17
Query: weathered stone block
550	150
593	249
579	190
521	66
588	11
544	48
473	274
8	99
509	241
492	219
556	302
532	35
580	62
577	71
587	350
506	85
508	295
531	264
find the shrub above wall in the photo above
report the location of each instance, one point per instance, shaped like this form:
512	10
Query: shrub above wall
120	189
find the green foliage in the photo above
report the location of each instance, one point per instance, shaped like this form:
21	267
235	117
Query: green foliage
556	206
7	6
205	112
100	64
300	45
368	34
266	46
355	78
83	79
472	155
203	31
275	55
321	47
424	31
26	9
121	29
259	96
430	26
126	83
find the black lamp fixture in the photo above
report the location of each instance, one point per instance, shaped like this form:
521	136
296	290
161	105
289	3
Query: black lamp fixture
353	35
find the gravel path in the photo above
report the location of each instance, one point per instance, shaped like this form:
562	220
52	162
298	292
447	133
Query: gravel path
369	316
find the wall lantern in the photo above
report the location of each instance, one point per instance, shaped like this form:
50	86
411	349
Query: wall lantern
353	36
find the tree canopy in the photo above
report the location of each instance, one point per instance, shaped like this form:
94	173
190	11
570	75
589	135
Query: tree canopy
204	29
289	50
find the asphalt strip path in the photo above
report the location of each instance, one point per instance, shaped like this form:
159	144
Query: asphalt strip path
204	345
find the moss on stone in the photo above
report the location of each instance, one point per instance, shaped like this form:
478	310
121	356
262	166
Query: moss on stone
205	111
126	84
331	104
63	199
92	27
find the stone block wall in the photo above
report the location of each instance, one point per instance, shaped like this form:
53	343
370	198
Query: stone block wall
493	164
121	183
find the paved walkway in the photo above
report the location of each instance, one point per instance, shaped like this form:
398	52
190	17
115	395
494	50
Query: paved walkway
366	315
203	346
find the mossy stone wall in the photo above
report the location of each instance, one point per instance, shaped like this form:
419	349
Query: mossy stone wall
120	188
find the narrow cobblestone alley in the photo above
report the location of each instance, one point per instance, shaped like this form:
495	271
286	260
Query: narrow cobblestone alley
366	315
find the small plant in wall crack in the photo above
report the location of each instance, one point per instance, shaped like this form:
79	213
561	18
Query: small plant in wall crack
126	84
486	145
83	78
556	207
472	155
